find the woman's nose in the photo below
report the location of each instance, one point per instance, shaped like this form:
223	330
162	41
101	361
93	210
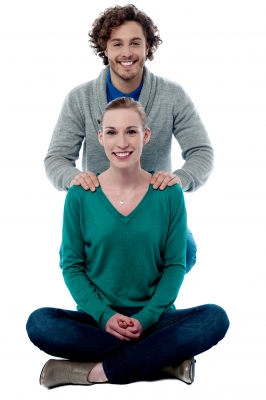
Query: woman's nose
122	141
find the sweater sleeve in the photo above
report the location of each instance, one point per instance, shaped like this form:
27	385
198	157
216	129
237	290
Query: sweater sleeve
74	262
193	139
69	132
174	263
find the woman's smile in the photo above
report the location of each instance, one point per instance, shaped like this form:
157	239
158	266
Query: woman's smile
122	155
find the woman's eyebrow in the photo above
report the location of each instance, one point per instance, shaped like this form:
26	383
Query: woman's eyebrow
127	127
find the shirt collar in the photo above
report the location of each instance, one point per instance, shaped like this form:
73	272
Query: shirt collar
113	93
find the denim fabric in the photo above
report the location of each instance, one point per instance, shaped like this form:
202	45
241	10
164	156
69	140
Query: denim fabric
177	336
190	258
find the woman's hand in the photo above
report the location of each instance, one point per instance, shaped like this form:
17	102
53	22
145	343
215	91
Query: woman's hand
135	328
124	328
161	179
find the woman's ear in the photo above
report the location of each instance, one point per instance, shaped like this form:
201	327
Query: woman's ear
100	137
147	135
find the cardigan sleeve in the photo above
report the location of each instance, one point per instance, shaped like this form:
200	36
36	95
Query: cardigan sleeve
174	262
66	142
74	261
194	141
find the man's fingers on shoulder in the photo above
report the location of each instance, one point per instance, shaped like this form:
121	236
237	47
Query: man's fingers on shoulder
95	181
74	182
92	176
155	176
172	182
156	173
91	187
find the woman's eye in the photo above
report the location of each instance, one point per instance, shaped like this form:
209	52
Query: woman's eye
110	132
131	132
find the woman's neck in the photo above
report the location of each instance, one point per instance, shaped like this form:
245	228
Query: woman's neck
124	178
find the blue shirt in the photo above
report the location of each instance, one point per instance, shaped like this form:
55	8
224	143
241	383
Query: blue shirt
113	93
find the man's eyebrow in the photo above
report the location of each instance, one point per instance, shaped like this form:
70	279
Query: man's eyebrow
121	40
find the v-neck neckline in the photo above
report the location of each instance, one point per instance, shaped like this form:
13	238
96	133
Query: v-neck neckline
133	212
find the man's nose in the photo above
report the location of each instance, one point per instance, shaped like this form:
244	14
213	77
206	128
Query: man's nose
127	52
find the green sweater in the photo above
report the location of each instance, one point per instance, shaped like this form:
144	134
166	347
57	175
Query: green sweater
111	261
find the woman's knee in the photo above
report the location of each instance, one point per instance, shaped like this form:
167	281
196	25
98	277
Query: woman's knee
36	322
218	319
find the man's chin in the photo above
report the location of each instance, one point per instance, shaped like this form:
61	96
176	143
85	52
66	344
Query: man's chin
127	79
125	76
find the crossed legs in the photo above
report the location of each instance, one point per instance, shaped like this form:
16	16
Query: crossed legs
177	336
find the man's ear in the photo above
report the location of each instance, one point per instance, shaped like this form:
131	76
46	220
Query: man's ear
100	137
147	48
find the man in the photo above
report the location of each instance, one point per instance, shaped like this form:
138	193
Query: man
124	38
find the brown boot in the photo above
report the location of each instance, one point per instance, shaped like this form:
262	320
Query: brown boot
64	372
184	372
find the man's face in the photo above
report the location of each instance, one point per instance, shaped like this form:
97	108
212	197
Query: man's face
126	51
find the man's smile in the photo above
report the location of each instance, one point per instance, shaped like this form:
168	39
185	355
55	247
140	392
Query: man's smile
127	64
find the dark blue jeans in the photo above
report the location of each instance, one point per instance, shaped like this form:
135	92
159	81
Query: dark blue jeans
177	336
190	255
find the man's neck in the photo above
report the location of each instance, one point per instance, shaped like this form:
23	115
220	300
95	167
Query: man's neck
126	86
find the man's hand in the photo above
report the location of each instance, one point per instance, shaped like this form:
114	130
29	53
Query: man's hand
117	324
161	179
87	180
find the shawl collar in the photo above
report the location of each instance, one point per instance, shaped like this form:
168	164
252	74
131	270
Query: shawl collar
147	94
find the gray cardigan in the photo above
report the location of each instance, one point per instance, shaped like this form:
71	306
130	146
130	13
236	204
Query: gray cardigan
169	112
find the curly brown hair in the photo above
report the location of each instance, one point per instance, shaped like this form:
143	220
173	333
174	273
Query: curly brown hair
115	16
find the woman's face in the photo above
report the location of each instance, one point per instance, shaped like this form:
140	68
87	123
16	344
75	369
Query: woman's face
123	137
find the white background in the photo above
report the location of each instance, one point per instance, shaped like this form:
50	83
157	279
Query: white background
216	50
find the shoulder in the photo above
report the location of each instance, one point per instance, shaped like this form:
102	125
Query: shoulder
76	194
170	201
171	194
162	82
84	88
174	192
176	200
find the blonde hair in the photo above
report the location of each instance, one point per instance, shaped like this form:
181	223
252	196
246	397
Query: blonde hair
125	103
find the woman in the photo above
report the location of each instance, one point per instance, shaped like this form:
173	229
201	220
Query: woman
124	249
